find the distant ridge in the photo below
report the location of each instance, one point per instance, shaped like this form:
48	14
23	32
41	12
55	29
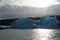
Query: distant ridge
6	21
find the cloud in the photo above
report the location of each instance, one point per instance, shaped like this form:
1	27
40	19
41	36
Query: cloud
54	10
32	3
14	11
0	0
9	11
58	0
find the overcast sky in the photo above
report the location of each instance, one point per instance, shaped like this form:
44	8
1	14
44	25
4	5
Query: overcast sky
32	3
28	8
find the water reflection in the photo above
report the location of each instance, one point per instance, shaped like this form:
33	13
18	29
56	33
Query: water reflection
46	34
30	34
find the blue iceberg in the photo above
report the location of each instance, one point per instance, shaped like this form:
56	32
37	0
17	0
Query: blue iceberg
44	22
23	23
49	22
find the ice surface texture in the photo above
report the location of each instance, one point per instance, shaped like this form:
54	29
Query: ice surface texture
44	22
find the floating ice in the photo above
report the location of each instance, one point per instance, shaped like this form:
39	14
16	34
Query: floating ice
50	22
44	22
23	23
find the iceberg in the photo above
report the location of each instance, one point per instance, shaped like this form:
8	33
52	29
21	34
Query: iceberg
49	22
44	22
25	23
22	23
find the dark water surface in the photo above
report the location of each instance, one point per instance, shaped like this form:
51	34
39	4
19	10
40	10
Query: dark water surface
30	34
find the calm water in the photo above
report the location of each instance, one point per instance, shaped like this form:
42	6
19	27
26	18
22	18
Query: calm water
30	34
